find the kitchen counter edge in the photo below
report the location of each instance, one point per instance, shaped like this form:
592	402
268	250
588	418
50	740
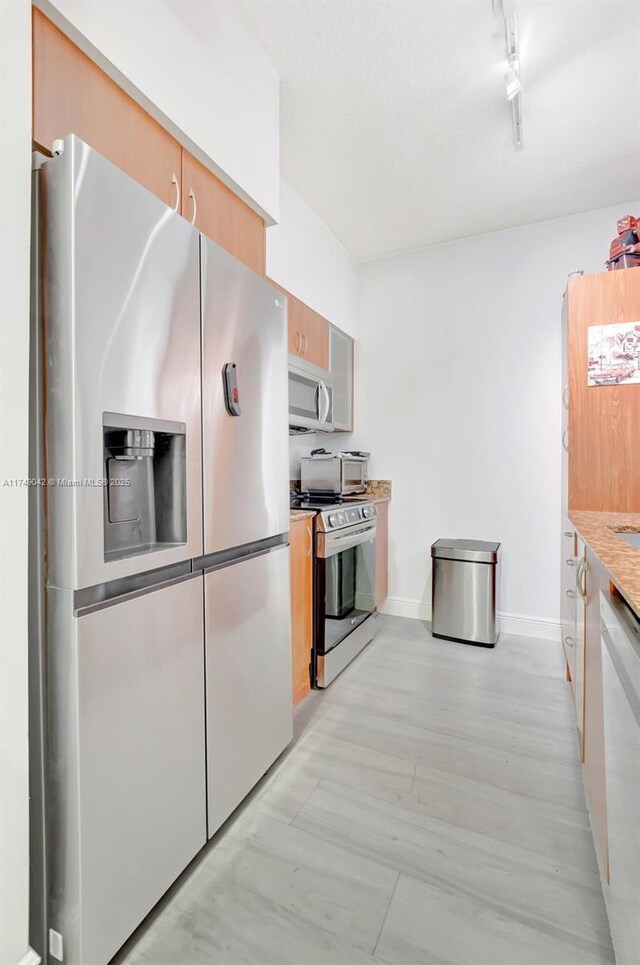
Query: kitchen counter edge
601	532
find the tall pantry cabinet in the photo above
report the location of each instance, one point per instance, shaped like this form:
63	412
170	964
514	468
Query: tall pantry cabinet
600	473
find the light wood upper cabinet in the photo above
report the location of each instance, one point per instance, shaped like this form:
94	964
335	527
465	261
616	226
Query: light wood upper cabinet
301	605
604	421
314	330
382	554
341	365
219	213
71	95
308	333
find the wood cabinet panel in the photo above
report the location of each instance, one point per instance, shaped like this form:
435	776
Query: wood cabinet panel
294	325
301	605
308	331
71	95
382	554
604	421
222	215
594	747
578	669
315	332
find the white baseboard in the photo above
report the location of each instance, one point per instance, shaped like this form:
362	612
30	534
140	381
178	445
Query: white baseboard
540	628
398	606
31	958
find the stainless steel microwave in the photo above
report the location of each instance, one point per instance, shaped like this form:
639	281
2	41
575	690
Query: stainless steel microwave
310	399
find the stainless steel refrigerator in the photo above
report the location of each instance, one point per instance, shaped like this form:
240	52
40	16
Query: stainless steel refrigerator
246	527
160	636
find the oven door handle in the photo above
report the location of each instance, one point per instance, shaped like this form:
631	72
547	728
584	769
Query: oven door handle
332	545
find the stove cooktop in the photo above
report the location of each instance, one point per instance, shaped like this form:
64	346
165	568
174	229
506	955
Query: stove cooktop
323	502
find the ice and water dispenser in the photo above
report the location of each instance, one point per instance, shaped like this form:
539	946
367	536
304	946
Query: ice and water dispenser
145	501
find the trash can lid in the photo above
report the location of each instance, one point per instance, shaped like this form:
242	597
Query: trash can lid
469	550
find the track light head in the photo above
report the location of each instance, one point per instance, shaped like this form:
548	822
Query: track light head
512	78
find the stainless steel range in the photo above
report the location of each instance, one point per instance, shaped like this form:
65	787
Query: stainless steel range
344	585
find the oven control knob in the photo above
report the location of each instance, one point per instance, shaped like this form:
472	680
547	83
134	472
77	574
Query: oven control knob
366	511
342	519
333	519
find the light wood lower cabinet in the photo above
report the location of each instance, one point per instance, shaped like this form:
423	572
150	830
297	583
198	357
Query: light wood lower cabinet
382	554
221	215
568	595
581	598
301	605
611	752
596	580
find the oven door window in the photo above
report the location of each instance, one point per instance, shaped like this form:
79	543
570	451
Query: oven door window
352	474
349	596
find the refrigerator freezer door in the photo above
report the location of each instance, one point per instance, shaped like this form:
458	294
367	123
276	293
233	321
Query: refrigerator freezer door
245	438
122	328
249	702
127	761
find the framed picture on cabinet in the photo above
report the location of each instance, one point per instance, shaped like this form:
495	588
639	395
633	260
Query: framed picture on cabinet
613	356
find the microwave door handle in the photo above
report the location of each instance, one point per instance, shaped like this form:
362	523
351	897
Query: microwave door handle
316	402
327	401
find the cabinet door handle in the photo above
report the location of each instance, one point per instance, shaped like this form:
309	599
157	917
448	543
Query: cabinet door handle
310	535
565	397
569	535
571	594
581	573
306	344
176	183
192	195
569	641
570	562
565	440
298	343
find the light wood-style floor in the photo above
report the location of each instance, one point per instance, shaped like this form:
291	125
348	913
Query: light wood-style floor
431	811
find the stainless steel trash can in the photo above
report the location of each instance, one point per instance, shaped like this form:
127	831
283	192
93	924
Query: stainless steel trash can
464	590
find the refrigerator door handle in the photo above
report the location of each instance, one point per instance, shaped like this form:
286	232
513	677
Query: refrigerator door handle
231	394
86	602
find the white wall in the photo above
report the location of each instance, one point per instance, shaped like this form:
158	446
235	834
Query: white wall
458	397
15	152
305	258
194	67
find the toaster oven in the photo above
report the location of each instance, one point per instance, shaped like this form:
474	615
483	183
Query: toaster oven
342	474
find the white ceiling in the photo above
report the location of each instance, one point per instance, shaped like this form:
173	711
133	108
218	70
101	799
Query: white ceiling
395	126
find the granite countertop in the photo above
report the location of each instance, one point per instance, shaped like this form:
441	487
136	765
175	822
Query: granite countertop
622	562
301	514
378	491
